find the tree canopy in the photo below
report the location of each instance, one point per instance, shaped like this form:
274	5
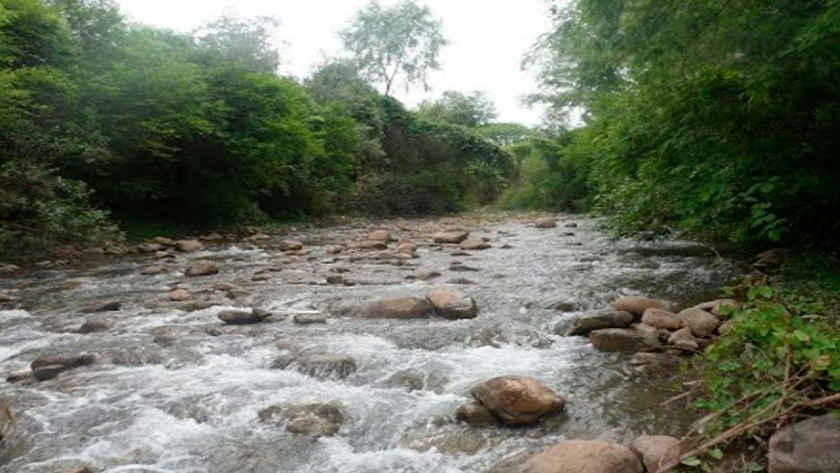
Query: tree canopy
472	109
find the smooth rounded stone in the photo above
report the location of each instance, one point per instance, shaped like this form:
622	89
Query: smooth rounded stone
475	414
681	335
326	366
418	380
202	268
474	243
196	306
452	304
379	235
8	268
164	241
290	245
638	305
396	308
310	319
7	298
367	245
189	246
225	286
702	323
47	372
111	306
656	451
7	419
655	363
93	326
571	225
155	270
262	276
717	307
582	326
517	400
619	340
810	446
407	247
690	346
180	295
546	223
149	248
241	317
65	361
662	319
450	237
428	275
24	377
573	456
313	420
460	267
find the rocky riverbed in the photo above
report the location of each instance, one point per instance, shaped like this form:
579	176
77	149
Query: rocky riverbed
344	349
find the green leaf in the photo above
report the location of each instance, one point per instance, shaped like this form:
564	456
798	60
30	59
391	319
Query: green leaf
716	453
693	462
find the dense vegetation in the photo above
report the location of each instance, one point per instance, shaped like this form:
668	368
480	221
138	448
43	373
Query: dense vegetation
106	122
718	117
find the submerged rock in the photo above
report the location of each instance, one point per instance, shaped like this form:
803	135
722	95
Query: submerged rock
313	420
111	306
517	400
396	308
48	367
326	366
7	420
290	246
7	298
573	456
476	415
93	326
452	304
242	317
310	319
810	446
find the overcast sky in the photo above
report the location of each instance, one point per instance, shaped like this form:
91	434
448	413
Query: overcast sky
488	39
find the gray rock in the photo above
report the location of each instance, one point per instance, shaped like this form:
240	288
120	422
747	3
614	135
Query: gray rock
241	317
810	446
326	366
546	223
452	304
596	321
310	319
93	326
450	237
573	456
396	308
475	415
619	340
202	268
702	323
656	451
662	319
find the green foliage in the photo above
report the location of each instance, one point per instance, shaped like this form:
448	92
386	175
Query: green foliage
395	45
470	110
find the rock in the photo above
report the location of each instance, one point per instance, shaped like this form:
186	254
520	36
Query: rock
202	268
810	446
197	306
702	323
180	295
450	237
596	321
571	225
727	327
290	246
407	248
7	420
326	366
379	235
662	319
396	308
21	377
474	243
638	305
655	363
545	223
517	400
189	246
47	372
6	298
241	317
367	245
335	279
428	275
310	319
314	420
262	276
164	241
65	361
149	248
687	345
619	340
8	268
475	415
681	335
112	306
656	451
573	456
155	270
452	304
460	267
93	326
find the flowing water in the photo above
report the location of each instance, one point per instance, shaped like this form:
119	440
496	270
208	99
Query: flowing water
169	395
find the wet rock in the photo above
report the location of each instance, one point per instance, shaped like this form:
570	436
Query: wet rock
65	361
407	248
474	243
662	319
310	319
202	268
545	223
290	246
681	335
462	282
180	295
326	366
241	317
460	267
379	235
655	363
262	276
638	305
335	279
597	321
656	451
149	248
428	275
8	268
111	306
155	270
687	345
197	306
702	323
164	241
452	304
367	245
396	308
7	420
517	400
619	340
165	255
560	305
475	415
450	237
810	446
571	225
21	377
94	326
225	286
573	456
6	298
417	380
314	420
47	372
189	246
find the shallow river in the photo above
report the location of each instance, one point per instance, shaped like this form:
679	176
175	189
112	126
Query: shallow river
167	396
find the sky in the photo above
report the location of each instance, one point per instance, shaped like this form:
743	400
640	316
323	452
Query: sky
488	39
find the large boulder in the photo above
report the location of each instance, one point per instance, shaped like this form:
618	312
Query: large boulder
638	305
189	246
202	268
396	308
656	451
621	340
573	456
810	446
662	319
451	303
596	321
702	323
313	420
517	400
450	237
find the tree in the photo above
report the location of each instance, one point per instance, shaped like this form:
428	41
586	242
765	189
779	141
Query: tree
393	44
471	110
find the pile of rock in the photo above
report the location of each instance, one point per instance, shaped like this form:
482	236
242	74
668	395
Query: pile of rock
447	302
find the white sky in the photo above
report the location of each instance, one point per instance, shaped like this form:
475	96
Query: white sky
488	39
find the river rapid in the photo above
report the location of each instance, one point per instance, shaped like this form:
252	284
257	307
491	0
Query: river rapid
174	391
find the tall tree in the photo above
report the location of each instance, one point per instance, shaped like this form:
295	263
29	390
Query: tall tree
395	45
471	110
